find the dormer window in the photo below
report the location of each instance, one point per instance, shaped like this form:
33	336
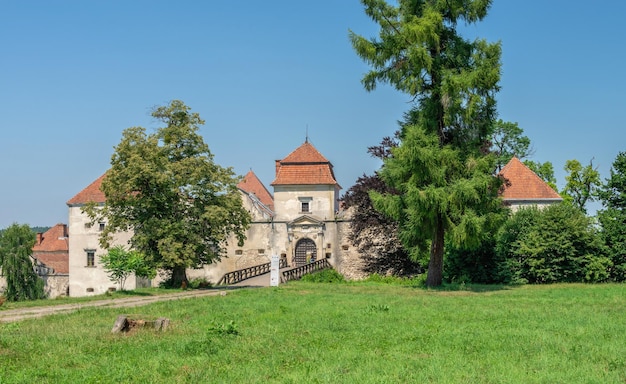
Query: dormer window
305	204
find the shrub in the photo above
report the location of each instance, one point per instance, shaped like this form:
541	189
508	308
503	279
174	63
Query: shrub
415	281
198	283
324	276
556	244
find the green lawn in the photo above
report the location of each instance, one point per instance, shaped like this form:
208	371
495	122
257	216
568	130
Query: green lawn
337	333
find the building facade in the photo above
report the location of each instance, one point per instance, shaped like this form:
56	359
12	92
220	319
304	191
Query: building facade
523	188
301	221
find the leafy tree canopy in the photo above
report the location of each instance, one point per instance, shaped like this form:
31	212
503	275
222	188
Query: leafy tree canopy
556	244
16	248
439	170
165	187
581	183
613	216
121	263
373	233
507	140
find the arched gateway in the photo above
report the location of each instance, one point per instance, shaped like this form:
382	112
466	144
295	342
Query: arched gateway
305	247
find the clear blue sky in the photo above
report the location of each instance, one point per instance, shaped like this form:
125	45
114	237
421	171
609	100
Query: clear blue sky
75	74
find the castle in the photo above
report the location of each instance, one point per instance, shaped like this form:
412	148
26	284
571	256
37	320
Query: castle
301	221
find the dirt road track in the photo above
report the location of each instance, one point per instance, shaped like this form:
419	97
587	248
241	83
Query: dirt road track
34	312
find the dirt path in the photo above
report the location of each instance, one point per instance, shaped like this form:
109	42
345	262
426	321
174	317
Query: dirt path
34	312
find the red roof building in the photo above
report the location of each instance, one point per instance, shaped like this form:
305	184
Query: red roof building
52	249
304	166
252	185
91	193
524	187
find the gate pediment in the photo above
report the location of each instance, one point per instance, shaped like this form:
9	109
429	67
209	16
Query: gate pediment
305	220
305	224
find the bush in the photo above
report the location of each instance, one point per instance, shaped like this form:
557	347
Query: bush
478	266
324	276
199	283
556	244
415	281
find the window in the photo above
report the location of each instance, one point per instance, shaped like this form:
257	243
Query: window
91	257
87	225
101	228
305	204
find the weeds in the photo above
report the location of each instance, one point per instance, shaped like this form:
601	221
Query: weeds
378	308
229	328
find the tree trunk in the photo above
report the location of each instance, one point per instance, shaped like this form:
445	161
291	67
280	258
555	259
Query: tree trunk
435	265
179	277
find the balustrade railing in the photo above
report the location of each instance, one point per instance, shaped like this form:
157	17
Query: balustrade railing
297	272
247	273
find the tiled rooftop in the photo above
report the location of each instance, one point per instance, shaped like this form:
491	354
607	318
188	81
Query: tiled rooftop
52	248
306	153
252	184
91	193
524	184
304	166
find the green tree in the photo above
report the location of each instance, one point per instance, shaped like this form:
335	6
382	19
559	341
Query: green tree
120	264
581	183
16	248
544	170
443	179
613	216
181	207
374	234
507	140
556	244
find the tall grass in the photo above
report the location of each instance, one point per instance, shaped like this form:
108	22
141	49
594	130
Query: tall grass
337	333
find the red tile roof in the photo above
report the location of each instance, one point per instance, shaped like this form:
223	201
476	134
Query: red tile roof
304	166
524	184
52	248
91	193
306	153
252	184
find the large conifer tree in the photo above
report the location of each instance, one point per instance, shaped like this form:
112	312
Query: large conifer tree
439	169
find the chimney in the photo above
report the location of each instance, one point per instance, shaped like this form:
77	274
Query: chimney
39	238
277	167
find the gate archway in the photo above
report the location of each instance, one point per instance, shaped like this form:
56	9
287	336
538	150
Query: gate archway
304	247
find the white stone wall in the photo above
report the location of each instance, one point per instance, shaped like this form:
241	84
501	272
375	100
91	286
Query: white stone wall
515	205
56	285
287	201
85	280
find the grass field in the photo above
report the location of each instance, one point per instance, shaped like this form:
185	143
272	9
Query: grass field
337	333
